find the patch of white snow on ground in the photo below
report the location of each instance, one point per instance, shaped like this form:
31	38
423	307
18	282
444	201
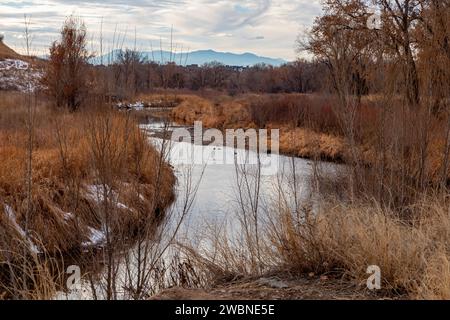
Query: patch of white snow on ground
13	220
9	64
96	237
139	105
96	193
19	75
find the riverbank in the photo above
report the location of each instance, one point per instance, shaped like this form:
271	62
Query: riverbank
235	113
277	287
72	183
328	237
336	241
315	127
333	255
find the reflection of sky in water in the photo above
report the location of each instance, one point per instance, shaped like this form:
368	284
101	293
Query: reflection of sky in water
215	204
214	169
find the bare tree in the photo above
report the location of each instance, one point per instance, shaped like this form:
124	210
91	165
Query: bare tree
66	74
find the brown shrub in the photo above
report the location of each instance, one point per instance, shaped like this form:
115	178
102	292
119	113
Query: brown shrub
66	72
66	163
346	239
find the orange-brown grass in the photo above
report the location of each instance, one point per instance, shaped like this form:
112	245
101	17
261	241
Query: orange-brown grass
309	144
313	126
70	153
239	112
8	53
195	108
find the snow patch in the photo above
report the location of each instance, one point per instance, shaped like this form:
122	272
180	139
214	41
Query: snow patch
96	237
13	220
10	64
95	193
120	205
19	75
139	105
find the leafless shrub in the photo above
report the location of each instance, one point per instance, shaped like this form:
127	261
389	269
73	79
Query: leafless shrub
66	74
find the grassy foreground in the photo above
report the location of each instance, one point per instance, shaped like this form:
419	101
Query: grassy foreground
70	182
407	240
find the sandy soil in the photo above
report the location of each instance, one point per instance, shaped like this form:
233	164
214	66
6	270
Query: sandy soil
277	288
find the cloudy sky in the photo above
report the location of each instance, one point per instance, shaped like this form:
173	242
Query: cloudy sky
264	27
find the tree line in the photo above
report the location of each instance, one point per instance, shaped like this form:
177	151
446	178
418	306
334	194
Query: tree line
69	76
408	50
131	74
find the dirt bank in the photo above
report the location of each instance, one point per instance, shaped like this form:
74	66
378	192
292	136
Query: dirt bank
280	287
233	113
89	170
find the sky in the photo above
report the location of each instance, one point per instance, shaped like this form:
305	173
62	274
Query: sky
264	27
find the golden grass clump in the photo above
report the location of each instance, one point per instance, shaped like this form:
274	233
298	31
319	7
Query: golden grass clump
346	238
235	112
306	143
194	108
75	156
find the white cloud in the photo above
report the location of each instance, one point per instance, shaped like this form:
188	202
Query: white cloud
197	24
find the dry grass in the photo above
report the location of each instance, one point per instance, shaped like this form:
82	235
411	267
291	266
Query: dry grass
66	162
56	167
338	242
346	239
240	112
306	143
8	53
194	108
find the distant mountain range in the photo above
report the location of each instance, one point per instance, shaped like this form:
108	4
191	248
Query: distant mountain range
196	57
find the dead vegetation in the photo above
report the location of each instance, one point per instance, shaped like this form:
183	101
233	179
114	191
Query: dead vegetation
300	135
387	119
65	179
8	53
346	239
86	169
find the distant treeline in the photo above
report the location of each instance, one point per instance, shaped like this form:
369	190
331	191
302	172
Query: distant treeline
132	74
